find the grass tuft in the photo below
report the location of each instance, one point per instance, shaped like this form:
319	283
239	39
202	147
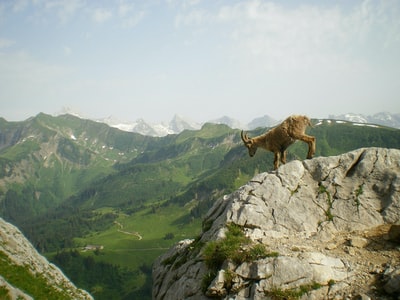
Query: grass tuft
292	294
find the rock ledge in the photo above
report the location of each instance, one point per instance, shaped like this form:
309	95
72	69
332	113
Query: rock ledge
328	221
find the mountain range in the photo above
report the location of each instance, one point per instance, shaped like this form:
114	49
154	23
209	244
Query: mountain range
97	200
180	123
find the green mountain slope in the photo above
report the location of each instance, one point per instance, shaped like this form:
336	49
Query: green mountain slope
68	182
45	159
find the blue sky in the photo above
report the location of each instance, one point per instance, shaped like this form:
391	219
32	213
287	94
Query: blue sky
199	59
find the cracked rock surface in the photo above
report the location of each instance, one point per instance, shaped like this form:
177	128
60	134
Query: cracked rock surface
327	218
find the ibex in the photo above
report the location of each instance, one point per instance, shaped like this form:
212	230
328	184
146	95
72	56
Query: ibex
279	138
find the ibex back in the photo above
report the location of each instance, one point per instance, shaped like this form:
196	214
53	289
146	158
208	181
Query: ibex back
279	138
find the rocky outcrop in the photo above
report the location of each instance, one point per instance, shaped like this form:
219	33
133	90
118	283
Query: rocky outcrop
322	226
16	252
11	291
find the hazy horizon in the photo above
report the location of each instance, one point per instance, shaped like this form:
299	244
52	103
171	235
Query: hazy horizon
66	110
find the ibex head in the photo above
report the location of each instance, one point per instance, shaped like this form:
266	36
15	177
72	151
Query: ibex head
249	143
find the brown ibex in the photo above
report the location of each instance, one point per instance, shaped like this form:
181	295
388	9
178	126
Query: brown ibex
279	138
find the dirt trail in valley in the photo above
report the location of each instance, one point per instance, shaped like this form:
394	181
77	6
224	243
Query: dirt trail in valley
121	227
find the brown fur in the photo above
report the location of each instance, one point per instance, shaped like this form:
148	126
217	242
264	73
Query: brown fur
279	138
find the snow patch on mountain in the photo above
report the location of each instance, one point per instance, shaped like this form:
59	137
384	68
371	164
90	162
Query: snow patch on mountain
382	118
176	125
180	123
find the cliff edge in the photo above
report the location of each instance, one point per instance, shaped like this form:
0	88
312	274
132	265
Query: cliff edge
25	274
324	228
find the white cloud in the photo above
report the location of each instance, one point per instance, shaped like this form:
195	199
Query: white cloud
125	8
130	15
133	19
42	11
300	37
64	9
289	39
300	54
67	51
101	15
243	50
5	43
20	5
183	3
192	18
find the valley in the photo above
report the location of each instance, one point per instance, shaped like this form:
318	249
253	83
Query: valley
67	183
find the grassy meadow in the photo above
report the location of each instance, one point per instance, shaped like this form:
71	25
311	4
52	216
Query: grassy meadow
144	235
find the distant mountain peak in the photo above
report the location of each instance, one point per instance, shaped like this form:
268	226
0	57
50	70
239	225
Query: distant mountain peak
381	118
233	123
69	111
179	123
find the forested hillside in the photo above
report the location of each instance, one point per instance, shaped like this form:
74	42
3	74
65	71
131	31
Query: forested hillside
68	183
45	160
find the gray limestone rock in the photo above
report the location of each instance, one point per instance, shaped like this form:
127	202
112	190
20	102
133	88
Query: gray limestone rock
326	219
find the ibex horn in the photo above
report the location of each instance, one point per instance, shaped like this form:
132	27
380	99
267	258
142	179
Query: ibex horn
244	137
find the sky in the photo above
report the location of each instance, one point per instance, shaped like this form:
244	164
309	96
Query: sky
201	59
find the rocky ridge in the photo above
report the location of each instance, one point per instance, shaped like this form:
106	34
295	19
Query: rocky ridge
330	227
16	250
